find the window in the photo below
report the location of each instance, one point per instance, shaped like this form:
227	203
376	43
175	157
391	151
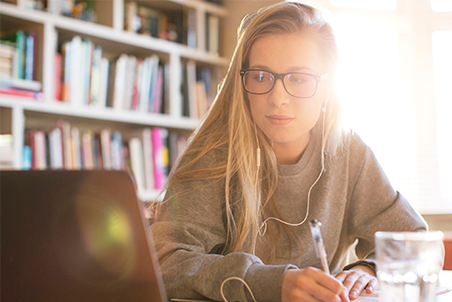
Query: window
441	5
442	55
372	97
395	82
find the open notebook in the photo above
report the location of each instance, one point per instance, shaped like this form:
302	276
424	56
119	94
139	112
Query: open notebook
75	236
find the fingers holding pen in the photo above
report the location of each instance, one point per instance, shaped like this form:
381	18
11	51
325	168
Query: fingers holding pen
312	284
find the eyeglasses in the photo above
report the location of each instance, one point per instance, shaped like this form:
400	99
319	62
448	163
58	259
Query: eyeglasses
297	84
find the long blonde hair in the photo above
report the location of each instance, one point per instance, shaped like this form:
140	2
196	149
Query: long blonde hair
228	128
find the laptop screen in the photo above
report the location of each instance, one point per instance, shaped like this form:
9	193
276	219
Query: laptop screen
75	236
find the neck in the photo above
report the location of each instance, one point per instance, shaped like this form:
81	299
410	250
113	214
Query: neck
290	153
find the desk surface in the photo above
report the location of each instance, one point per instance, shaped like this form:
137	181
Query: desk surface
445	281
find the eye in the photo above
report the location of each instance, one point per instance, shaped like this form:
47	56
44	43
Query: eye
298	79
261	77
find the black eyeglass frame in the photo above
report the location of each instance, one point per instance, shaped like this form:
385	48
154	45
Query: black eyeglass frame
281	76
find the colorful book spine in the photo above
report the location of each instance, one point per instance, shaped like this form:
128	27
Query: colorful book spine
20	49
96	76
160	150
30	47
21	93
57	76
136	160
148	159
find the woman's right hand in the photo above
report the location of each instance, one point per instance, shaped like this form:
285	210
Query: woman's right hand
311	284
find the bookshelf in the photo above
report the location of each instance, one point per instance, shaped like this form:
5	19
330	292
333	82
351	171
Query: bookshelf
20	113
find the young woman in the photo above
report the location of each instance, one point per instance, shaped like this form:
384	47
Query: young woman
268	158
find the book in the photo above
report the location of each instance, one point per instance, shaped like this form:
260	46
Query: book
57	76
136	160
160	150
7	50
158	90
76	75
153	82
67	144
103	84
120	82
201	98
97	152
30	49
117	157
86	68
19	40
191	88
55	150
6	64
105	144
66	72
190	27
26	158
9	82
213	33
111	83
75	144
96	69
39	150
137	85
87	150
148	159
130	82
6	151
166	90
22	93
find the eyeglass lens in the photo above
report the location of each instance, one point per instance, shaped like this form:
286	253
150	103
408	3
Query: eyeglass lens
296	84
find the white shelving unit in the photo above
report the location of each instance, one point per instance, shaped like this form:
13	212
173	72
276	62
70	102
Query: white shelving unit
49	26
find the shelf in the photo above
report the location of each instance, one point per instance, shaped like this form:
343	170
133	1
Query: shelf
176	5
108	33
108	114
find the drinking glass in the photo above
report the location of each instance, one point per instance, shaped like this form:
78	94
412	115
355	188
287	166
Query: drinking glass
408	264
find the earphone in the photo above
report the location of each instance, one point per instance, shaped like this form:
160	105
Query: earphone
264	224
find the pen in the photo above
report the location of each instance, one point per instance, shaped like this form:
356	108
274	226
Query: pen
318	244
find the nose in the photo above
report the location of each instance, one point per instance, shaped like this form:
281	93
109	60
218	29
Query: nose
278	96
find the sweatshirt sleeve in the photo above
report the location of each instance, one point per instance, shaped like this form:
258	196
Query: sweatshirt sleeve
186	232
375	205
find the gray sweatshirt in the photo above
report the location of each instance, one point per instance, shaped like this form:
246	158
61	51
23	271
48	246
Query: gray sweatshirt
353	199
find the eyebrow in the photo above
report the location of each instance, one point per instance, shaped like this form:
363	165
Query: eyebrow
291	69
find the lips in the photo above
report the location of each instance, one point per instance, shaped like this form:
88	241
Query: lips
279	120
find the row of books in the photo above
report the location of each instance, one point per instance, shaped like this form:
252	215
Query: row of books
199	88
179	26
149	154
84	77
17	55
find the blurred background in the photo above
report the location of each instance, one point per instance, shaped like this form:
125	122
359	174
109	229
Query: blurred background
120	84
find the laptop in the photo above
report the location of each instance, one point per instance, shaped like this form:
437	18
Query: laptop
75	236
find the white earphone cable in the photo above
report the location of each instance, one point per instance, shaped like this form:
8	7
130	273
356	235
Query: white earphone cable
264	224
322	162
238	279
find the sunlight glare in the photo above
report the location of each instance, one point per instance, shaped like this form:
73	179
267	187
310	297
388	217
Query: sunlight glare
442	50
372	99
